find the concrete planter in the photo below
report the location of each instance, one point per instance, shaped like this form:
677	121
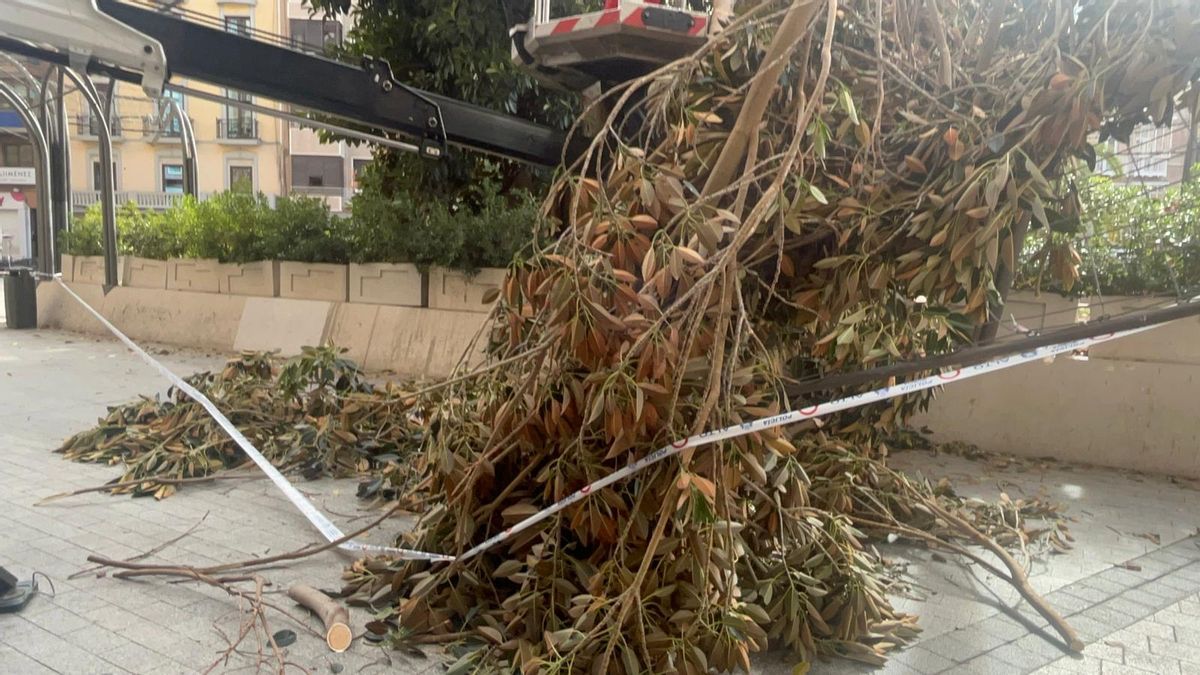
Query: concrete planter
458	291
192	274
313	281
68	267
143	272
257	278
89	269
386	284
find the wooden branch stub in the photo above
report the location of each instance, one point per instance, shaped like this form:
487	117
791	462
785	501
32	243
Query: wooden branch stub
332	614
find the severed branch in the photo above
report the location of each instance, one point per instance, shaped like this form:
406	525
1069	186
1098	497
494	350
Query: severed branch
149	479
1017	578
217	577
332	614
147	554
134	569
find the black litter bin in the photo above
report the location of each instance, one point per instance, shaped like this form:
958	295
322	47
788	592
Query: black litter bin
20	298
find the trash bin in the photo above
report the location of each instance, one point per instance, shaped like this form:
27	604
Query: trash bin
20	298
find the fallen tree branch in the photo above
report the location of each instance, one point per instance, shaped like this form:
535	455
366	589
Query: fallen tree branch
147	554
1018	579
133	569
332	614
149	479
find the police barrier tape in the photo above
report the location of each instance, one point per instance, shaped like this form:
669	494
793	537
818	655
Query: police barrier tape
332	533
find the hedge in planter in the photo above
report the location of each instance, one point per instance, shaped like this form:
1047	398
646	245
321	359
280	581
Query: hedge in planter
485	232
230	226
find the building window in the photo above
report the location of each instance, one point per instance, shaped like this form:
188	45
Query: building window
169	123
241	178
315	34
18	155
239	25
238	123
1151	150
1146	157
98	180
359	166
172	178
317	171
87	122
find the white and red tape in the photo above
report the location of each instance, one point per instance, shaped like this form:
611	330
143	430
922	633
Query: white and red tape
332	533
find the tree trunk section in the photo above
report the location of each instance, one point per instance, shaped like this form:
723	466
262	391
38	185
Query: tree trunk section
332	614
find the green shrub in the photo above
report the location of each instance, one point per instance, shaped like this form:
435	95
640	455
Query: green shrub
498	231
1130	242
237	226
459	236
149	235
85	236
373	232
301	228
230	226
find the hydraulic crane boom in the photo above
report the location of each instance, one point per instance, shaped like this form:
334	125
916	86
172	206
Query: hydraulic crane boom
368	95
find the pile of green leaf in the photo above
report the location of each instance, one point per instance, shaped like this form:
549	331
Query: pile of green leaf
315	414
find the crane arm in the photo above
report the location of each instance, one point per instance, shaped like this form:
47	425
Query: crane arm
368	94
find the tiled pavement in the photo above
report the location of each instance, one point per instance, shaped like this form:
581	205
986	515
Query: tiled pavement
52	384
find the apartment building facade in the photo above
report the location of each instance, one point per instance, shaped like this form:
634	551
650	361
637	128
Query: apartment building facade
1154	157
326	170
236	148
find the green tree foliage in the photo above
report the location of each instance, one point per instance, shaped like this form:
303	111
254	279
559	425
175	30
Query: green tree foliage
1130	241
458	48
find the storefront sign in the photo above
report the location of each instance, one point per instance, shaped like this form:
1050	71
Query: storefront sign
16	175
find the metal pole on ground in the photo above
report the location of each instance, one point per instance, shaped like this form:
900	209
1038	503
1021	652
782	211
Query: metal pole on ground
108	197
53	113
64	134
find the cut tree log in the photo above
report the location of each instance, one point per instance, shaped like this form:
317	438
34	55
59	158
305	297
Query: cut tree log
332	614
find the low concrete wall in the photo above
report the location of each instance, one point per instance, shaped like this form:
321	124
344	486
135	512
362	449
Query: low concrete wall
386	284
143	272
90	268
193	274
257	278
410	341
313	281
175	317
1131	404
459	291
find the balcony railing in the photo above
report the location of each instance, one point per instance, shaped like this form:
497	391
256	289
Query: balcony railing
151	201
154	201
237	128
153	125
88	125
323	191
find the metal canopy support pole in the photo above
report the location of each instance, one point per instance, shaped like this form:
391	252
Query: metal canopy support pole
188	138
108	197
53	114
45	258
64	150
30	80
